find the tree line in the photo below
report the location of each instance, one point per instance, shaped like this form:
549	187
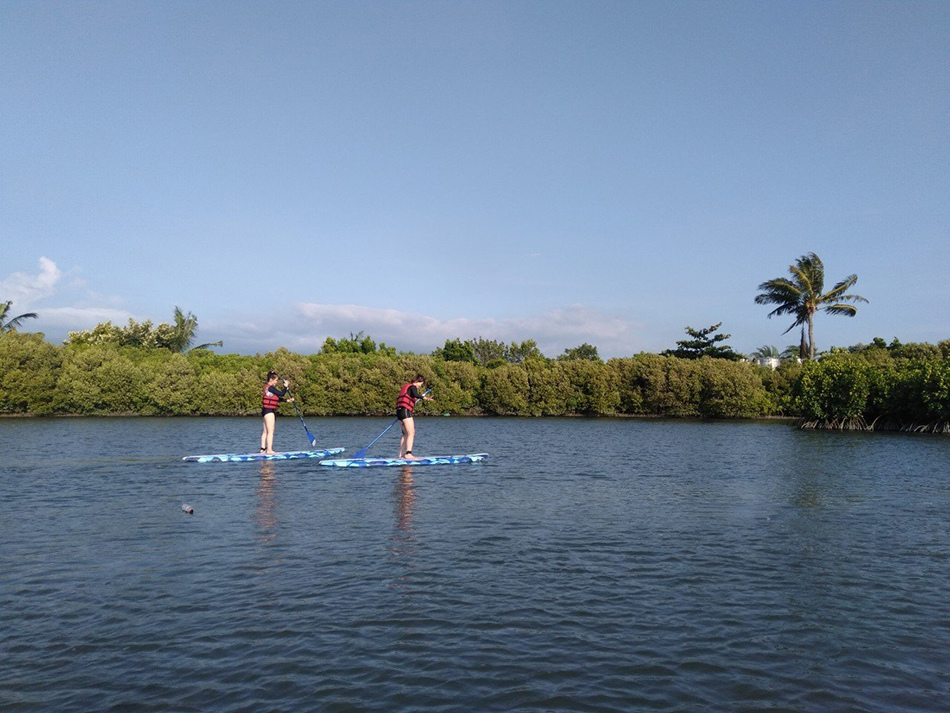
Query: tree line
878	385
155	370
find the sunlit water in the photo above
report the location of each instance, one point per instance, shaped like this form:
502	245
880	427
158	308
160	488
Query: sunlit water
588	565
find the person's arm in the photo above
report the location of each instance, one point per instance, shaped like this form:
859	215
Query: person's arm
279	393
414	393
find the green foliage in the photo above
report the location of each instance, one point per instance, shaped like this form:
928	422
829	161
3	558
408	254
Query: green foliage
778	387
454	385
8	323
932	380
29	367
548	388
504	391
669	385
220	393
356	344
176	337
173	389
487	351
333	385
630	381
584	351
77	390
892	386
704	343
592	390
456	350
730	389
834	391
517	353
880	384
802	295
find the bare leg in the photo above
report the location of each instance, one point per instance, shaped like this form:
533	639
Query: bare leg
402	439
267	436
408	435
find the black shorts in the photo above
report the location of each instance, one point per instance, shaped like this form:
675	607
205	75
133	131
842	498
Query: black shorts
265	411
402	413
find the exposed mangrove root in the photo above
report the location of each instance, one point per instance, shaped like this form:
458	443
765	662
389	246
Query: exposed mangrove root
860	424
838	424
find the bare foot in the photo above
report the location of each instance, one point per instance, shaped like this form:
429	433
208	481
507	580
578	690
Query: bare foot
409	456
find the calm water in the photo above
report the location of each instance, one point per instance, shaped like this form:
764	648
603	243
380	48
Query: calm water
589	565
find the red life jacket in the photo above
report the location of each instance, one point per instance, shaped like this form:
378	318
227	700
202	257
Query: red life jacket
270	401
404	400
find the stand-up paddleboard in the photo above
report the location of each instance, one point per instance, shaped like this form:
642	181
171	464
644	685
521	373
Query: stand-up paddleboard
381	462
245	457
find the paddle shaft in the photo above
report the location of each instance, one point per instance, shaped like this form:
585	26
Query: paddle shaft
310	436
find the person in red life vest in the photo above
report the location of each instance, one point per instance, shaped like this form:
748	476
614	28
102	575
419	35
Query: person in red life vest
273	395
405	403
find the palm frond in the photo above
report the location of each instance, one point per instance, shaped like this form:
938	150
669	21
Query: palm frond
7	324
837	292
812	270
784	308
801	320
845	310
17	321
777	291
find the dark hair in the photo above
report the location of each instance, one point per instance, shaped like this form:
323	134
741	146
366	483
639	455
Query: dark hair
271	375
419	377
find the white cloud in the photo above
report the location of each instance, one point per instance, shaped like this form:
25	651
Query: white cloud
554	331
84	309
75	318
25	289
309	324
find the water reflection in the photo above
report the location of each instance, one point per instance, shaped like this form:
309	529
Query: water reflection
265	513
809	493
404	497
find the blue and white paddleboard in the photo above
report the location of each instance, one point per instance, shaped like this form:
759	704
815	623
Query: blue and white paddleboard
381	462
245	457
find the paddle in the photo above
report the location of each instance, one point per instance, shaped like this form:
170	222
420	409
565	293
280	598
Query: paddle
362	452
310	436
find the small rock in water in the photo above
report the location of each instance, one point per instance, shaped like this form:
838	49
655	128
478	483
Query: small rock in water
188	509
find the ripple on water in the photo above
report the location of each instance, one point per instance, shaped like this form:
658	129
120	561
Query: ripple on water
662	566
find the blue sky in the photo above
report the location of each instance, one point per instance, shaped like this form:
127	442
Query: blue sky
569	172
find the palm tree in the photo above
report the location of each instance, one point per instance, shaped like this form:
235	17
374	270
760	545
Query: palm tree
766	351
791	352
183	332
7	324
803	295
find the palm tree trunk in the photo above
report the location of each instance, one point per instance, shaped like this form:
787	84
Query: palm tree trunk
811	337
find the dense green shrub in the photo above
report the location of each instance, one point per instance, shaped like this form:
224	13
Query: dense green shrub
29	367
730	389
874	388
504	390
879	385
833	391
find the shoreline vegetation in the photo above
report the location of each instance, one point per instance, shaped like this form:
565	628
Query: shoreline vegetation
874	387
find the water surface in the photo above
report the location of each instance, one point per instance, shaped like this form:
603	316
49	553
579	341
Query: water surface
588	565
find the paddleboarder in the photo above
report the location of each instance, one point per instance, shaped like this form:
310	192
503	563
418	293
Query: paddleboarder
405	403
272	397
